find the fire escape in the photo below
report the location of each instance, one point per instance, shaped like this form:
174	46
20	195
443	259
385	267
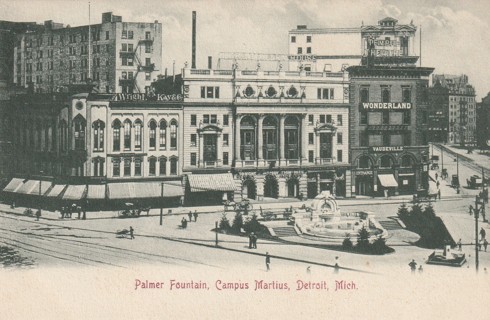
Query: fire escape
141	66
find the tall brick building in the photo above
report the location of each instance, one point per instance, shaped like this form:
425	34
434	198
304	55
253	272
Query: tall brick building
120	56
388	116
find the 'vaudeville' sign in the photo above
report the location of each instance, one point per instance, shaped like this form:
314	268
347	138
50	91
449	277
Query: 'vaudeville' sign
387	149
127	97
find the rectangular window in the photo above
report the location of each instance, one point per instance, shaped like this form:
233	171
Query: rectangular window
225	139
148	62
225	119
363	117
216	92
130	47
225	158
386	139
339	137
311	119
364	95
308	39
130	34
322	118
293	39
300	50
385	94
308	49
339	119
137	167
193	140
325	94
339	155
107	35
363	139
148	35
203	92
173	166
116	169
205	118
152	168
147	76
406	95
214	118
329	118
407	117
193	120
147	48
311	157
193	159
332	96
127	167
386	117
311	139
163	166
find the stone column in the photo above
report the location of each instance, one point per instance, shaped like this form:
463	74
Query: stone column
282	143
200	163
219	148
317	147
237	138
260	138
304	138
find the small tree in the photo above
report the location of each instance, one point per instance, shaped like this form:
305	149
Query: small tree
347	243
429	211
403	212
237	222
252	225
379	245
224	223
363	239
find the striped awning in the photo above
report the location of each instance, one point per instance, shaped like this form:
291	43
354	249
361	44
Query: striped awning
74	192
387	180
96	192
32	187
14	185
212	182
138	190
55	190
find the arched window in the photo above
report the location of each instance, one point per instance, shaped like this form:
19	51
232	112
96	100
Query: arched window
163	166
137	167
153	135
173	134
163	135
98	167
98	135
406	161
79	134
386	162
116	135
364	162
138	125
173	165
127	134
127	167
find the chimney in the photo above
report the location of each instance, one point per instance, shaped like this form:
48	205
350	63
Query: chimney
193	40
210	62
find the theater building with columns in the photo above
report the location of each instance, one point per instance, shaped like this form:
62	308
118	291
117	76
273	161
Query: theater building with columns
280	133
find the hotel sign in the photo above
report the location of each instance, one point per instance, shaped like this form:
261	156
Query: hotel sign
302	57
135	97
383	47
376	106
387	149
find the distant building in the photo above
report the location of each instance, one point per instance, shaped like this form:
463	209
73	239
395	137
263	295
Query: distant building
462	107
120	56
483	123
438	112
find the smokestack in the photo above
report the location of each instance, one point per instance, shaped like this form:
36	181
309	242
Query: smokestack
210	62
193	39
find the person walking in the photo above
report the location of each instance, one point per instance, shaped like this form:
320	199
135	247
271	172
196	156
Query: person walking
438	184
439	194
131	232
267	261
482	234
485	244
195	215
436	175
190	216
471	210
421	270
459	244
38	214
250	240
336	268
254	241
183	222
413	265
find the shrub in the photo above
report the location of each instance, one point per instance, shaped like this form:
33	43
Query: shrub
379	245
252	225
363	239
237	222
347	243
224	223
403	212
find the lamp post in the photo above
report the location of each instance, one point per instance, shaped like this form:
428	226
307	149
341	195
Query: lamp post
38	213
161	207
476	211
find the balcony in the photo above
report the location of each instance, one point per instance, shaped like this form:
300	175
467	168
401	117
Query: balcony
126	81
147	68
324	160
146	40
388	127
126	54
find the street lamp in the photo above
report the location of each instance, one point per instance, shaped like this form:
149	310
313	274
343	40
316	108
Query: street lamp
38	213
161	206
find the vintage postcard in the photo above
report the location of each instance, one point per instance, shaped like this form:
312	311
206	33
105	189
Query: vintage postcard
244	159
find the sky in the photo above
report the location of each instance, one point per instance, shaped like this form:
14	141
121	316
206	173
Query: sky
455	37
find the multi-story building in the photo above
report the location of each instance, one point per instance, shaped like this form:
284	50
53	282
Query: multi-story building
282	133
462	107
117	56
388	116
438	112
324	49
483	123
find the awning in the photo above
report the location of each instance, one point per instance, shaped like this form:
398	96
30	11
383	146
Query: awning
96	192
406	174
138	190
55	190
32	187
387	180
14	185
74	192
212	182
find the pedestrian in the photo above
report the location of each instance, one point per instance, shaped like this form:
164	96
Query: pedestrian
190	216
336	268
250	240
267	260
131	232
195	215
38	214
479	245
413	266
438	184
482	233
439	194
254	241
459	244
420	269
436	175
485	244
471	210
308	270
183	222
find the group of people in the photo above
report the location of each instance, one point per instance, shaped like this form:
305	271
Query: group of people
413	267
190	215
252	241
